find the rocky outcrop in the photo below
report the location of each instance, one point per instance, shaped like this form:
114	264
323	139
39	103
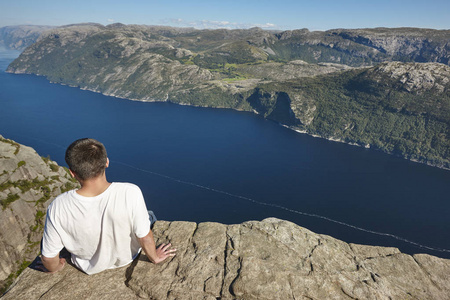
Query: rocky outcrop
405	44
415	77
28	183
271	259
357	47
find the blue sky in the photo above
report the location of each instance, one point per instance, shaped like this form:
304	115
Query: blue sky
280	14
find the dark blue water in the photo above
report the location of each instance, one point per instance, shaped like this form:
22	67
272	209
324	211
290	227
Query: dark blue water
269	168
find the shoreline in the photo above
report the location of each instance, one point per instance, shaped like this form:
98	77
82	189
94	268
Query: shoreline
149	100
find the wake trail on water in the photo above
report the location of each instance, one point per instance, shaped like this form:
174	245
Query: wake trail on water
265	203
284	208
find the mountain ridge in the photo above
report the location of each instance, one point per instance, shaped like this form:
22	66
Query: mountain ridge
230	68
21	36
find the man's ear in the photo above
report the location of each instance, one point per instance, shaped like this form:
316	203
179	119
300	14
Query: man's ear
72	174
107	162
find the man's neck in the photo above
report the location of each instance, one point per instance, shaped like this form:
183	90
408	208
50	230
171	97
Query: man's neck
93	186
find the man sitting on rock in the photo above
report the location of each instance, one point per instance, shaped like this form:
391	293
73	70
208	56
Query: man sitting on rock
103	225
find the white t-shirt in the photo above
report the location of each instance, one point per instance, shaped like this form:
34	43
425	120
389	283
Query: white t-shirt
100	232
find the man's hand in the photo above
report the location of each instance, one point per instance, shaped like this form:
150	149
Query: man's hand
163	252
155	255
53	264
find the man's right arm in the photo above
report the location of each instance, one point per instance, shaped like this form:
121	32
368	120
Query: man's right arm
155	255
53	264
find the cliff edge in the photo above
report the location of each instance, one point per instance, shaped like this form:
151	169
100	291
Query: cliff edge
271	259
28	183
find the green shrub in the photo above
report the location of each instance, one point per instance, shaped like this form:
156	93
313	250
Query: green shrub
10	199
54	167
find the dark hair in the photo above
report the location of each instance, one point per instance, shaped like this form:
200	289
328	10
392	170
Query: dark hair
86	158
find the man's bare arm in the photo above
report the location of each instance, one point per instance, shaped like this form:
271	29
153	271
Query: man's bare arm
155	255
53	264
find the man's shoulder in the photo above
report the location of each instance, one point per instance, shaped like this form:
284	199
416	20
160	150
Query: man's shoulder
126	186
64	195
61	199
126	192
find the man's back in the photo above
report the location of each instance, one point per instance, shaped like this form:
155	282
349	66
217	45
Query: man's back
100	232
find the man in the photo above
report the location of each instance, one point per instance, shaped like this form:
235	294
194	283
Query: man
103	225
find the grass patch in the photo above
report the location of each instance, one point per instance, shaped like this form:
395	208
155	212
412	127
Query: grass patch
7	283
54	167
10	199
68	186
38	222
237	78
46	159
12	143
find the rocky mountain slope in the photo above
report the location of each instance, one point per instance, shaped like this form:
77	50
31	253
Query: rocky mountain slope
271	259
366	46
20	37
28	183
382	88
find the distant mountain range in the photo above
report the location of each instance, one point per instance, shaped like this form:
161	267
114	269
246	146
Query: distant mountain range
382	88
20	37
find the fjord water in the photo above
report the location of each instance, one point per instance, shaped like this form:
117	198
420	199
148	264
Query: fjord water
199	164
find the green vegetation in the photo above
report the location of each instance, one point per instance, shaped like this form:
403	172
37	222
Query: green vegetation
46	159
68	186
9	199
43	188
5	185
12	143
23	264
54	167
25	185
373	113
38	221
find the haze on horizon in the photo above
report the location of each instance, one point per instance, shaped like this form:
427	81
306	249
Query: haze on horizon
232	14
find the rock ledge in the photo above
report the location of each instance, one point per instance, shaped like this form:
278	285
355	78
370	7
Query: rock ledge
271	259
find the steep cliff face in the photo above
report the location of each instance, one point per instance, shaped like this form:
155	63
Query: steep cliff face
271	259
357	47
28	183
403	44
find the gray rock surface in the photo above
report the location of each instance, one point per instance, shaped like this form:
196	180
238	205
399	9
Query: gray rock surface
271	259
28	183
417	77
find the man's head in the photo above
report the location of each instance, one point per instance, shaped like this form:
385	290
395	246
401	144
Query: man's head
86	158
